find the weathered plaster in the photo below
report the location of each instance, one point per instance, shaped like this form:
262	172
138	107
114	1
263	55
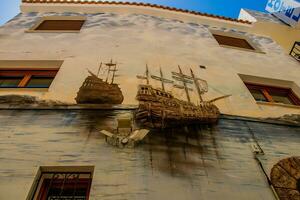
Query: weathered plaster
136	39
269	25
207	163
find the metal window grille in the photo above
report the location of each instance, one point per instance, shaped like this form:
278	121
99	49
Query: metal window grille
65	186
295	51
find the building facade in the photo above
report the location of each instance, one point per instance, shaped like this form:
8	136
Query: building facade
51	47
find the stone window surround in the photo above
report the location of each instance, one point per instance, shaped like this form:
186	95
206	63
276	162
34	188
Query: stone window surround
55	169
239	36
44	18
29	64
271	82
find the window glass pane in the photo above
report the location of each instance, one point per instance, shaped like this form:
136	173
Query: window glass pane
10	82
280	98
39	82
258	95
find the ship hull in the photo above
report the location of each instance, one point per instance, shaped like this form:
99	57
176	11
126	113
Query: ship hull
96	91
158	115
98	97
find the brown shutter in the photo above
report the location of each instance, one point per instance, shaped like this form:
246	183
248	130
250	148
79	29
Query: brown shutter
231	41
61	25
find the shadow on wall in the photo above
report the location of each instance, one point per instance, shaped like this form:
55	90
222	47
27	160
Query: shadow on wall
23	100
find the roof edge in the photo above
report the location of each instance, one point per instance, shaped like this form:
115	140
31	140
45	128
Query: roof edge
137	4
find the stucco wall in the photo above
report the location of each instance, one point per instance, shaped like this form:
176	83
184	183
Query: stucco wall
269	25
135	40
199	163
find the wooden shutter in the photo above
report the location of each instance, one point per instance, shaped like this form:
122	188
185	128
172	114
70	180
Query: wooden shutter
61	25
231	41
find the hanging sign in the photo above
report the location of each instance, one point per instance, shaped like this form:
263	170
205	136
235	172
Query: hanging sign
286	10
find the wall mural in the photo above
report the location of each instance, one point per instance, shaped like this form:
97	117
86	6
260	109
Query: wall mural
96	90
134	39
158	108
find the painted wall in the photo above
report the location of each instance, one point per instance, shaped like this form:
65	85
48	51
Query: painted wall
135	40
205	163
267	24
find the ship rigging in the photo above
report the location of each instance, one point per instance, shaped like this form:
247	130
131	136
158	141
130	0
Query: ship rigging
160	109
96	91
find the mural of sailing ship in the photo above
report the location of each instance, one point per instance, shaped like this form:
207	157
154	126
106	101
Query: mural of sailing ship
96	90
160	109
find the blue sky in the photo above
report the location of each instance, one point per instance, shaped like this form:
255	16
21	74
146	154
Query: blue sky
228	8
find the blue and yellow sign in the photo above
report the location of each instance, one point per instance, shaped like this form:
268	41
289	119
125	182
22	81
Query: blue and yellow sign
286	10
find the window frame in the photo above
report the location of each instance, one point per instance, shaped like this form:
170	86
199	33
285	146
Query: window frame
27	74
267	89
34	29
40	186
231	34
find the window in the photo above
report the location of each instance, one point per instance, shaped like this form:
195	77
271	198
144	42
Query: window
26	78
10	81
233	41
60	25
62	183
264	93
295	51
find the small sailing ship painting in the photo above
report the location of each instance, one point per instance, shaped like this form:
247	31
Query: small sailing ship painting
160	109
96	90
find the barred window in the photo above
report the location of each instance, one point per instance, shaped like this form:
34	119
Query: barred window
62	183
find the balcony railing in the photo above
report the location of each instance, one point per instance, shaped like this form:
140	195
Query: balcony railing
295	52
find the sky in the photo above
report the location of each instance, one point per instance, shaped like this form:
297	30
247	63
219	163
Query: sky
228	8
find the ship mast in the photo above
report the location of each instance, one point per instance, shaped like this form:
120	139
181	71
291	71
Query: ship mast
197	85
146	77
147	74
161	79
185	80
99	69
114	74
110	65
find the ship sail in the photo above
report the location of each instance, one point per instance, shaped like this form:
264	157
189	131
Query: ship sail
185	80
99	69
160	109
146	77
200	84
161	79
111	67
201	89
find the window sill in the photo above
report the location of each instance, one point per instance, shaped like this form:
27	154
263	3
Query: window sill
242	49
278	104
50	31
24	89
